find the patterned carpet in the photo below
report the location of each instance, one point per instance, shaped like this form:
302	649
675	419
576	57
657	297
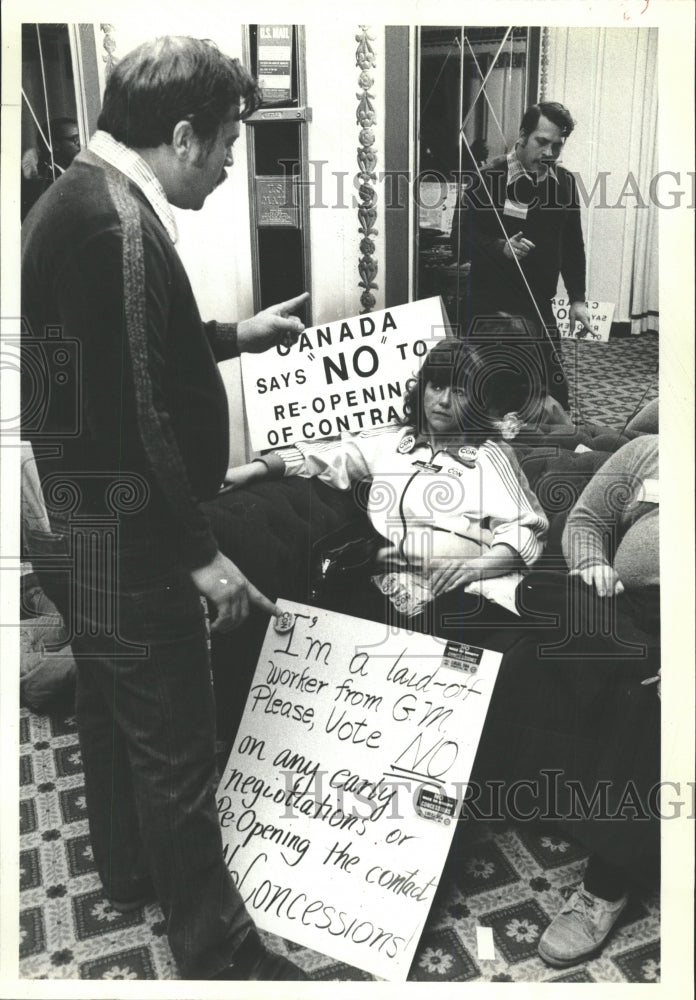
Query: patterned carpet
612	378
512	879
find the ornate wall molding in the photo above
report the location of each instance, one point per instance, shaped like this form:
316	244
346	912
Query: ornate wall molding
109	45
544	64
367	162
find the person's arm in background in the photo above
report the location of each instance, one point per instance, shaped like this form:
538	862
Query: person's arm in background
590	534
475	227
646	421
271	466
610	512
573	261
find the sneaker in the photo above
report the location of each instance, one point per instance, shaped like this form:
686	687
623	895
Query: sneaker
580	928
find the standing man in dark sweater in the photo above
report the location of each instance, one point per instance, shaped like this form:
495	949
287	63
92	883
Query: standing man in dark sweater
128	416
520	228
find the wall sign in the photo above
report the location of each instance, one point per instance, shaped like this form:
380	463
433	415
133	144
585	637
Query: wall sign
346	376
276	202
274	61
340	797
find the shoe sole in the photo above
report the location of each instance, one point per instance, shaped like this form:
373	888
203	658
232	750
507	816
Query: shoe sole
564	963
136	904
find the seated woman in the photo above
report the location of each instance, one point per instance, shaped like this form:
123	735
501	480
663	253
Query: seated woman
611	546
447	498
448	501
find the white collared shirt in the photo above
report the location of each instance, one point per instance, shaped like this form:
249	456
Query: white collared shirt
135	168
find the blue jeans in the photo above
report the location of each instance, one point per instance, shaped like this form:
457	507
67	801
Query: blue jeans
146	722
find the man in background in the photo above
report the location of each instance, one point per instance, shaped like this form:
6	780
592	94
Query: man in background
109	308
41	166
520	228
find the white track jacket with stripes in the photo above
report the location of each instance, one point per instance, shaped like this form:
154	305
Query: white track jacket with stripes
476	493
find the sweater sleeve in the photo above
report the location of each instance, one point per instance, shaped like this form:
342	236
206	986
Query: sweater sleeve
222	338
594	525
573	264
113	295
515	516
476	226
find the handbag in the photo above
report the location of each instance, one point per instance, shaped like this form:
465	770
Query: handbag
342	559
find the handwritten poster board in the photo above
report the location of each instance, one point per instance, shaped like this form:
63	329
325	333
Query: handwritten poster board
340	797
349	375
601	315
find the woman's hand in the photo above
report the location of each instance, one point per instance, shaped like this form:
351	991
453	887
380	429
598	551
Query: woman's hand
602	577
238	476
450	573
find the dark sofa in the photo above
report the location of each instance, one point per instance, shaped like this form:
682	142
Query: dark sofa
273	530
580	711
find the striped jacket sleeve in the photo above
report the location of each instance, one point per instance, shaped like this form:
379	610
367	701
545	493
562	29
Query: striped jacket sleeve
515	515
337	463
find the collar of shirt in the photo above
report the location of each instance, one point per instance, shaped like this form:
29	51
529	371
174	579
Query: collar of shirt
135	168
515	170
452	447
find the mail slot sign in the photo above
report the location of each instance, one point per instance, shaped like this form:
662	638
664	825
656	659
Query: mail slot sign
276	202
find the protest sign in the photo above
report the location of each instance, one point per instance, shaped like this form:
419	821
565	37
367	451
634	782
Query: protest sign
350	375
601	316
341	794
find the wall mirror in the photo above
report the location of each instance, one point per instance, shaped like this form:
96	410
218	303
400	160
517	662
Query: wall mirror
474	84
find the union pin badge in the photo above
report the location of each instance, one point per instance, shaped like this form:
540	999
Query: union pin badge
406	444
284	622
468	455
390	584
